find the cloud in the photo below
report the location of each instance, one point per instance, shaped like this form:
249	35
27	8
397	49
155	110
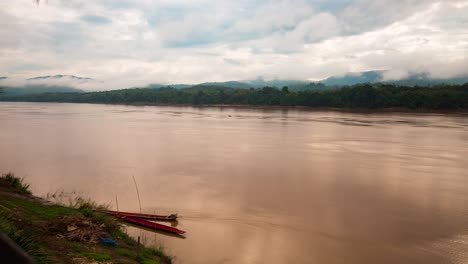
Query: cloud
127	43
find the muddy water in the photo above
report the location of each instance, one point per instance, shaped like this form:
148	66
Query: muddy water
259	186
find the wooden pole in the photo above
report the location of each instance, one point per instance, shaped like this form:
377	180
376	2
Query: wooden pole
117	203
138	193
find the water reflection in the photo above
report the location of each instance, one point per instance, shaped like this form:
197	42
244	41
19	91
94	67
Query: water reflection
259	186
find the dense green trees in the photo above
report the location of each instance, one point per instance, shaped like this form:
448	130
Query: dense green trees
358	96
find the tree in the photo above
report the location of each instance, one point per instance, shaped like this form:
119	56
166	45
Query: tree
359	96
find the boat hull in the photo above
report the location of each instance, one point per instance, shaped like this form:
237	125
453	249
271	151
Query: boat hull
144	216
151	225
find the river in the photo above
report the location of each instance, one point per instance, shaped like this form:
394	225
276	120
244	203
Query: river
255	185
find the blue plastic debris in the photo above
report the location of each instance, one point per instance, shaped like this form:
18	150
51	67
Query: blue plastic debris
108	242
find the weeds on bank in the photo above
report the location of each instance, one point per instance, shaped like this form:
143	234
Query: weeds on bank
75	200
96	257
22	238
33	210
14	183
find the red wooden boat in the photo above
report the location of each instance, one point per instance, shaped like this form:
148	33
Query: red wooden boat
172	217
149	224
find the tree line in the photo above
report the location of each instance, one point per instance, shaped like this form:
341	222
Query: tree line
366	96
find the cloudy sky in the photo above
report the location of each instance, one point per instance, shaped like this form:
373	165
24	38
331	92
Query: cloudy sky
125	43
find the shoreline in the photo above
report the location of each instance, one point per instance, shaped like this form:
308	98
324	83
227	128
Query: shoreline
326	109
54	233
395	110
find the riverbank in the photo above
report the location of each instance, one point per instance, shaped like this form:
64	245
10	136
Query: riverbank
308	108
52	233
395	110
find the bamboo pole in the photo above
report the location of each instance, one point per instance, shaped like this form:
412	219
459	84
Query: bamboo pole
117	203
138	193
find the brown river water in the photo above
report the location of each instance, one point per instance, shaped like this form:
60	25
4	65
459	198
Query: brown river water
259	186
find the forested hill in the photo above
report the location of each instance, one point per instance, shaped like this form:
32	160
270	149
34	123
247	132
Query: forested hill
359	96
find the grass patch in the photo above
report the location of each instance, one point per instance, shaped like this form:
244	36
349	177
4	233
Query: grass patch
111	224
33	209
149	261
159	252
125	252
22	238
78	248
10	181
146	260
81	204
124	237
29	244
96	256
88	209
149	255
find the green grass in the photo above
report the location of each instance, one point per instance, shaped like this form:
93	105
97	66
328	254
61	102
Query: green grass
149	261
96	256
14	183
147	256
125	252
159	252
28	243
124	237
87	208
81	204
76	247
146	260
32	209
22	238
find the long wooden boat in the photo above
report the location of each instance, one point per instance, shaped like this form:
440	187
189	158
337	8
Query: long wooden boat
172	217
151	225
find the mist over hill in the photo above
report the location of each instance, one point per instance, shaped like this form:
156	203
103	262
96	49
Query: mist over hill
349	79
419	79
293	85
38	89
59	83
72	83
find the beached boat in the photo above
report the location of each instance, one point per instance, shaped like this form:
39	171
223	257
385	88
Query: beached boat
172	217
149	224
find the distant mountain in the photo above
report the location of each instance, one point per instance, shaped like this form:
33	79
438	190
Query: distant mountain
424	79
293	85
421	79
60	76
259	83
38	89
175	86
334	82
247	84
312	86
230	84
354	78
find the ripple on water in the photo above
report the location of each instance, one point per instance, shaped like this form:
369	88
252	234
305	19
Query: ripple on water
454	249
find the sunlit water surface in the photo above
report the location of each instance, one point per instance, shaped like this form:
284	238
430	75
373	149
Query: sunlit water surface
259	186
